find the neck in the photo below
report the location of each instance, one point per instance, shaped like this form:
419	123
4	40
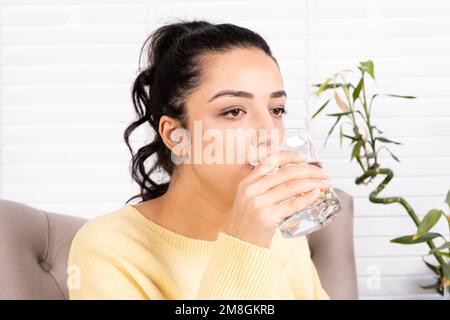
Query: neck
190	209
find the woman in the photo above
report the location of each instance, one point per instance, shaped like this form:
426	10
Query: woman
210	231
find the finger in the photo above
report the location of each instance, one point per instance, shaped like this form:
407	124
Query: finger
273	161
288	208
290	172
293	188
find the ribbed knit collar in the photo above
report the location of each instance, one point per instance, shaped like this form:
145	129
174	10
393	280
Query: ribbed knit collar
183	243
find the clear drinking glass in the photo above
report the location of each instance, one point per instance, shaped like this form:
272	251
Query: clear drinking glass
325	208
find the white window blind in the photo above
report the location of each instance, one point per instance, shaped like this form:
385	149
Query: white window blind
66	69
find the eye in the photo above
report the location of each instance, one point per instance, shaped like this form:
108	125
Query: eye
279	111
233	113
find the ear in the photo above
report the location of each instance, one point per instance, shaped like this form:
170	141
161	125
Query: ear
176	138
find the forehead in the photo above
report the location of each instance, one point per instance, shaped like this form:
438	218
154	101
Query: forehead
247	69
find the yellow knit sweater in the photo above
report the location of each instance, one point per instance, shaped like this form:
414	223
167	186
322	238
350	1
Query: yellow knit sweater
124	255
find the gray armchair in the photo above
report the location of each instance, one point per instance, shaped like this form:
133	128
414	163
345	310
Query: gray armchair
34	246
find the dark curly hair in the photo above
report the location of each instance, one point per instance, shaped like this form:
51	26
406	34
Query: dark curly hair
172	70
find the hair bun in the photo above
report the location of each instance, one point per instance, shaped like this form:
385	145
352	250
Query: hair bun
165	38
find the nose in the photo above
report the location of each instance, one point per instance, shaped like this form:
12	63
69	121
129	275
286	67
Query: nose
264	127
262	137
264	134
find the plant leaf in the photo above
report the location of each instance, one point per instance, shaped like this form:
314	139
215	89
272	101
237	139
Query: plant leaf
320	109
323	87
357	90
339	114
429	286
356	132
394	156
369	67
349	137
442	247
341	136
390	152
398	96
332	128
382	139
428	222
362	116
329	86
378	130
443	253
340	102
446	271
356	149
387	95
435	269
409	239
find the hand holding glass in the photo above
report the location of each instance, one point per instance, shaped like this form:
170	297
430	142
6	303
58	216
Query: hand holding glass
327	206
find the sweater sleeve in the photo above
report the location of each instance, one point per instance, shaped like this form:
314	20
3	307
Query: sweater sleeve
239	270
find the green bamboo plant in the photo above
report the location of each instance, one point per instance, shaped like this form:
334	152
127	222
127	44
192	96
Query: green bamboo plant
366	142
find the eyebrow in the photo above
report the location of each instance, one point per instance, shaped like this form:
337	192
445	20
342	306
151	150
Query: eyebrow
245	94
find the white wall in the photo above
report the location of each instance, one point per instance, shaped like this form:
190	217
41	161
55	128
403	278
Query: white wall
66	69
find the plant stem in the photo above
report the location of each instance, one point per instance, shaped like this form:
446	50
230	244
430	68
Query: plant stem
347	96
367	158
372	140
373	197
